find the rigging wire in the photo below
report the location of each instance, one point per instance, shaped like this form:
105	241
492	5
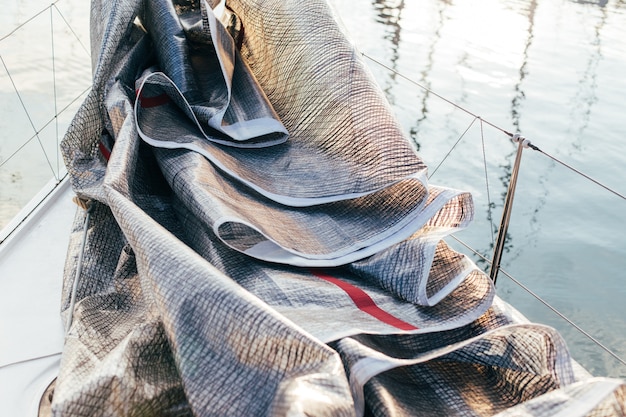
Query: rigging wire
452	103
535	148
24	23
71	28
8	158
453	147
19	96
3	161
54	89
545	303
582	174
511	135
489	206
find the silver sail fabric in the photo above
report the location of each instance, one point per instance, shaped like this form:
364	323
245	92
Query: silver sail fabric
262	239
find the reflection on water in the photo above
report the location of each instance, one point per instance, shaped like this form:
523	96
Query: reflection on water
586	96
581	108
548	71
523	70
389	14
518	96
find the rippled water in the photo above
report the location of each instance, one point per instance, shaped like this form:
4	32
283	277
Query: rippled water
552	71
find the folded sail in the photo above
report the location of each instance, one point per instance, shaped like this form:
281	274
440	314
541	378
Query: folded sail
264	240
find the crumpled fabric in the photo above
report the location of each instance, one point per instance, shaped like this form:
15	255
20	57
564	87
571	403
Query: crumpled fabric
263	240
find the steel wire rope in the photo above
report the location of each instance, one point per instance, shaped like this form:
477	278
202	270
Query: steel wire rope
4	161
53	4
535	148
54	92
622	196
511	135
489	212
452	103
19	96
70	28
453	147
24	23
482	138
547	304
56	111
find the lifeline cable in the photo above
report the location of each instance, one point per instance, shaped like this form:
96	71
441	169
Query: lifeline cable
511	135
19	96
545	303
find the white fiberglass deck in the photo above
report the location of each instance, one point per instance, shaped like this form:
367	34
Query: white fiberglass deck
31	333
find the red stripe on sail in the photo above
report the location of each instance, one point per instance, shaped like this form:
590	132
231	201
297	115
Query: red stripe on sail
365	303
155	101
104	151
